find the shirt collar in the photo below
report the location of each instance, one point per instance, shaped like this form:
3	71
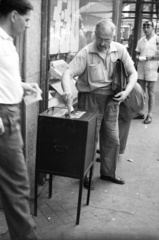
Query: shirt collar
4	35
145	39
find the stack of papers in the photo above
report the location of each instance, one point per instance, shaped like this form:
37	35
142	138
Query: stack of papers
57	68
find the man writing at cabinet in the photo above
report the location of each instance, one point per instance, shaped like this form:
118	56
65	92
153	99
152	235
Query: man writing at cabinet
14	180
147	56
94	66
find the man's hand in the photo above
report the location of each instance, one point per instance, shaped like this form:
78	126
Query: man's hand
120	97
2	130
68	99
31	88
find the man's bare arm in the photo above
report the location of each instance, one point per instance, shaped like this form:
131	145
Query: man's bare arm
66	86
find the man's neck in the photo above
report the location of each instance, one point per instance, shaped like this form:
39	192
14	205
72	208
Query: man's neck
148	37
6	27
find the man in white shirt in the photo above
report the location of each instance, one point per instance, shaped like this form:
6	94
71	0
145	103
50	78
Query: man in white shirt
147	56
14	180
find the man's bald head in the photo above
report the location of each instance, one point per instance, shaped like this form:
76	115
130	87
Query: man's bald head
105	25
104	33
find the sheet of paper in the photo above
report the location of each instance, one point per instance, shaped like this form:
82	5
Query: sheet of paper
31	98
142	58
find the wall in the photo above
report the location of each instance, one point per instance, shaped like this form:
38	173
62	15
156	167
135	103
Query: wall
33	51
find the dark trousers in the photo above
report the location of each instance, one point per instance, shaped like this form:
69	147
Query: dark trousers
14	181
109	122
124	127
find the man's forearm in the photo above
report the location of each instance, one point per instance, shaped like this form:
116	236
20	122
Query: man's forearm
66	81
131	83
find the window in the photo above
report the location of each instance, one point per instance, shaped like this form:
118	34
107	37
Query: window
72	24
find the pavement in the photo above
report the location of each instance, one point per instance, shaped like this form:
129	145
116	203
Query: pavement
115	212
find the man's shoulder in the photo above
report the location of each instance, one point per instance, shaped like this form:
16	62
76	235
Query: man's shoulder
157	37
88	48
118	45
91	47
141	39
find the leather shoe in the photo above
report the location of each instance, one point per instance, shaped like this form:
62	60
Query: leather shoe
98	151
86	183
97	159
112	179
148	120
139	116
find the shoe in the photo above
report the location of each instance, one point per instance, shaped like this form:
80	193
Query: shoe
98	151
147	120
121	151
97	159
86	183
112	179
139	116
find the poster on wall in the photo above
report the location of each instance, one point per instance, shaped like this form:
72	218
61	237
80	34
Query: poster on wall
64	30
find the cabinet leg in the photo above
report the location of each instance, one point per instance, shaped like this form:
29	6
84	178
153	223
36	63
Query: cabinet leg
89	189
50	185
36	193
79	201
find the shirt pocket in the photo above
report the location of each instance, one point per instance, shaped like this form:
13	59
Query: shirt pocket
96	72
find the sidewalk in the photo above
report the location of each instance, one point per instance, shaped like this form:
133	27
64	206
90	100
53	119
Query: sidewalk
126	212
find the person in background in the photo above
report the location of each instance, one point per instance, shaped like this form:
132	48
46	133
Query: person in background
147	56
82	40
14	179
94	67
82	37
89	36
130	42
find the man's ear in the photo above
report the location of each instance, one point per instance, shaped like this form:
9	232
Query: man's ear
13	16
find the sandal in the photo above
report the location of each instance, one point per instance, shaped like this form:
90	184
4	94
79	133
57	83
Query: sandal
148	120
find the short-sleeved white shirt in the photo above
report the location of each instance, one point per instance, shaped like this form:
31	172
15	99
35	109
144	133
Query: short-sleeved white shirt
147	70
11	91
